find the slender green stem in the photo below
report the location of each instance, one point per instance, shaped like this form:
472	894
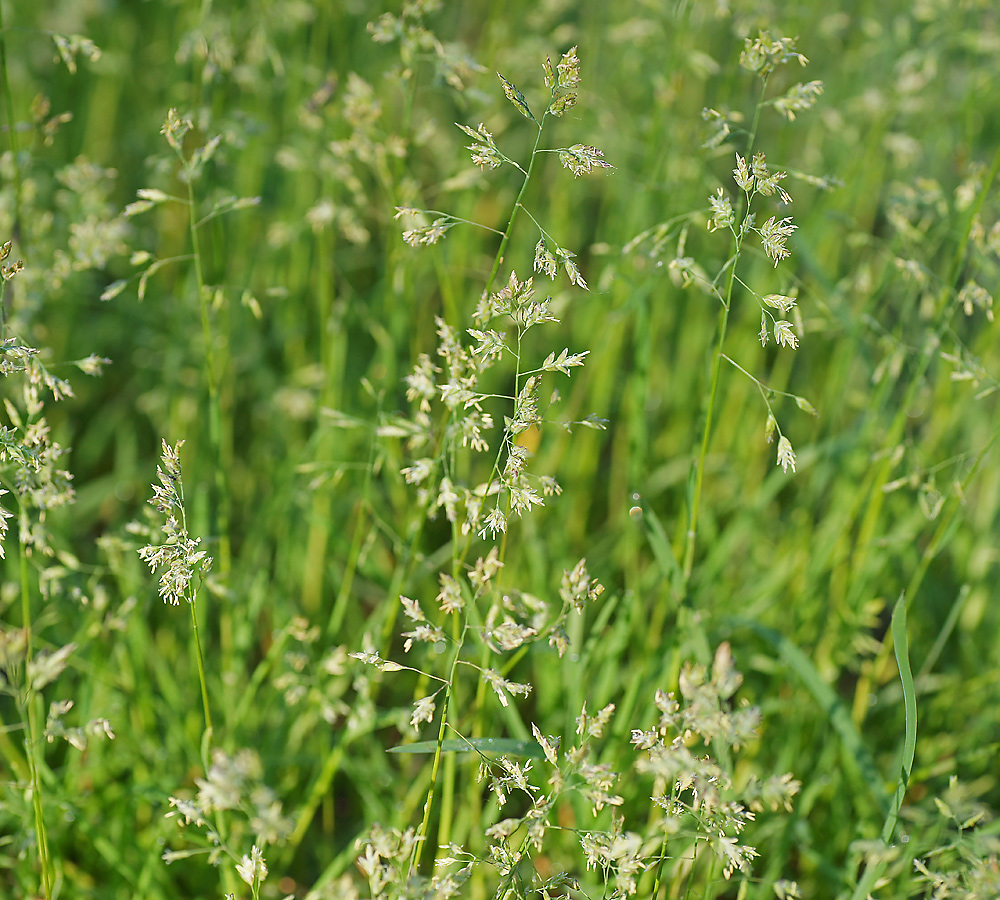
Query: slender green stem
692	529
11	125
756	115
33	743
201	669
498	261
219	524
192	600
445	709
662	855
458	556
228	877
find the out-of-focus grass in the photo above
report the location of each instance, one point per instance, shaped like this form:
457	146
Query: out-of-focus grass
320	524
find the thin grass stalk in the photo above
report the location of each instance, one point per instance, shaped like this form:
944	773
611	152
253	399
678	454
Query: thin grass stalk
318	537
692	530
219	506
34	743
457	558
424	828
389	624
11	125
498	260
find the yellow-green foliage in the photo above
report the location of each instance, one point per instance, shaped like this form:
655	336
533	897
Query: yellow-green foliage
529	497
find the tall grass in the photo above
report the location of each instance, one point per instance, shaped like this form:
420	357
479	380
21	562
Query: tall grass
260	233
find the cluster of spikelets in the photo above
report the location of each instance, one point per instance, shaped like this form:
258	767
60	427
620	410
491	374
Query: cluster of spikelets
696	803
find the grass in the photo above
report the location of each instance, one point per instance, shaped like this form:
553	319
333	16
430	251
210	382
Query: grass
206	211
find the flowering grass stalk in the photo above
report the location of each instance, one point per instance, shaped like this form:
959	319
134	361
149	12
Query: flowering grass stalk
193	163
619	772
183	565
754	179
508	491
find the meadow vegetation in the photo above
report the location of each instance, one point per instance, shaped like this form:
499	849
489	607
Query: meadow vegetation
499	449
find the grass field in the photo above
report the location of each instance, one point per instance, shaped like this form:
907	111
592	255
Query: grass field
595	499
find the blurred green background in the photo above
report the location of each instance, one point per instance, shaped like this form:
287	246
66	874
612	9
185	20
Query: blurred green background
319	309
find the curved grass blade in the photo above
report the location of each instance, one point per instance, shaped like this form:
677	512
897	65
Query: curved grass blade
874	872
909	711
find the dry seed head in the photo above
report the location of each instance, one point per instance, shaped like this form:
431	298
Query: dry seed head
420	471
450	598
496	523
484	570
517	459
175	128
8	272
550	487
509	635
742	174
485	152
573	273
523	497
721	122
371	658
562	103
758	166
974	296
471	427
780	302
252	869
412	609
427	634
770	426
548	743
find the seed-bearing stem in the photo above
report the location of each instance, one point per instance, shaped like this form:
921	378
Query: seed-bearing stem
692	529
498	261
456	560
220	505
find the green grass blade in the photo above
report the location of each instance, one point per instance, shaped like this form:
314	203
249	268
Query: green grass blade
910	710
873	872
